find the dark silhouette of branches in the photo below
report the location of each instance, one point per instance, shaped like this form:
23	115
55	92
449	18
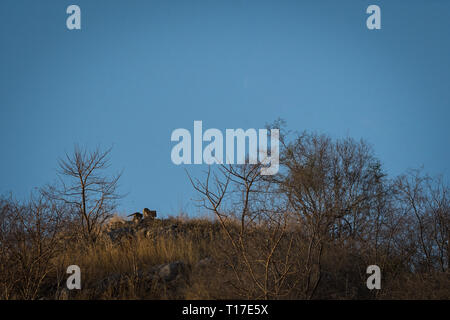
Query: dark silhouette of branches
84	186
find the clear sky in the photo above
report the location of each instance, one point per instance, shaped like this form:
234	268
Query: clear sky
140	69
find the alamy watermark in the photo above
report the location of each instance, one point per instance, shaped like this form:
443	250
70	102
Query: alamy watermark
74	280
374	281
235	151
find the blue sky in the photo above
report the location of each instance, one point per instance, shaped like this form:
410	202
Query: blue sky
140	69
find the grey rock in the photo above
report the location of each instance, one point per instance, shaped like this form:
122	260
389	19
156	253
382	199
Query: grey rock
171	271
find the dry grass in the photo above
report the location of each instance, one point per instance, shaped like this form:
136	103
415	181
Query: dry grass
133	256
119	270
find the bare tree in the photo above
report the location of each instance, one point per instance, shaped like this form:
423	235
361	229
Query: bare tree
261	255
29	240
332	187
83	186
426	199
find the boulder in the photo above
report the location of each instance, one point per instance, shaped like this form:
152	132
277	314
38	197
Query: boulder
171	271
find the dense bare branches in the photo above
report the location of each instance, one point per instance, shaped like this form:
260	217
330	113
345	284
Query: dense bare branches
254	227
331	185
426	200
329	196
29	239
86	189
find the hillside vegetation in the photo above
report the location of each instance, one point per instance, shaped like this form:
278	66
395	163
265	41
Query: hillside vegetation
309	232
